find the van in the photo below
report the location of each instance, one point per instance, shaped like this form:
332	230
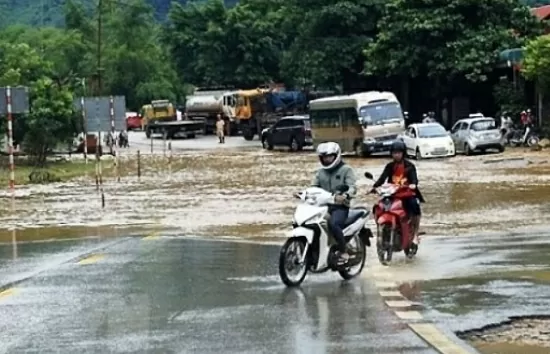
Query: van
364	123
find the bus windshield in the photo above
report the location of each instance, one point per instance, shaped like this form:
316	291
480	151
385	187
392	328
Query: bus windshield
381	113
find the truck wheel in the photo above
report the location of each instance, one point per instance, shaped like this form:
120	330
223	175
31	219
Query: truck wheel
248	136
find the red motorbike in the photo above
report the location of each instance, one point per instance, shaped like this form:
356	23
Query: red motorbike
394	232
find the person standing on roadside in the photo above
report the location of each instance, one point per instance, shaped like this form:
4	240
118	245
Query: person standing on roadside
220	125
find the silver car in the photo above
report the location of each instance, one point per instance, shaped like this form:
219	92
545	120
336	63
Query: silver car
476	133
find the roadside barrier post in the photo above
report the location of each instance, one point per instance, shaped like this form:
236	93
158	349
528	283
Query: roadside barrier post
170	159
100	170
85	128
10	147
12	166
164	143
151	138
114	139
139	165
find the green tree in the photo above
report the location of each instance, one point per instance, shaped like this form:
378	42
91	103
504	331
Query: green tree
197	40
52	120
135	62
447	39
536	62
329	40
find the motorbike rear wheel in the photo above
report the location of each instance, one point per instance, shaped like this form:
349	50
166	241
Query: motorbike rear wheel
289	260
384	248
359	250
532	140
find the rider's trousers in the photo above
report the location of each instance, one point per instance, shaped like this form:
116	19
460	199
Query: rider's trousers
336	223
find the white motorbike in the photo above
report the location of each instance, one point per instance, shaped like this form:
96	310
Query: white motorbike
311	246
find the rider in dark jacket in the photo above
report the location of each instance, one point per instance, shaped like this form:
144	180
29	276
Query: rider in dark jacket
403	172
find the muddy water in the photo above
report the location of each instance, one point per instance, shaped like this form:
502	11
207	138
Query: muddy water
247	193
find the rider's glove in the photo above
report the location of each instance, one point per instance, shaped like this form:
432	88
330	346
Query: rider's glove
340	198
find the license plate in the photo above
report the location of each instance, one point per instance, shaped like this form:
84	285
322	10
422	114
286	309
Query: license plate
308	140
386	143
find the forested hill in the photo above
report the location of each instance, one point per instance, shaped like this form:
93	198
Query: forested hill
50	12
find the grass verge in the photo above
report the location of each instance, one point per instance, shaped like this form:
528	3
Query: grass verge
53	171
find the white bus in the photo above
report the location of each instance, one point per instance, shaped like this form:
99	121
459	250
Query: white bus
364	123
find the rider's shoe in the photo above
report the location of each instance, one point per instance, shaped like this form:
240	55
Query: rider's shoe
343	257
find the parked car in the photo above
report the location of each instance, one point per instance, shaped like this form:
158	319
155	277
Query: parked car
133	121
425	140
476	133
291	131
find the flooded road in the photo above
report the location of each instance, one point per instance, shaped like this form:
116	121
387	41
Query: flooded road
483	258
170	295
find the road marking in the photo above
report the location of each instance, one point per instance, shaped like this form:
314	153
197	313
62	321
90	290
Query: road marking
385	284
91	259
393	293
6	293
152	236
437	339
409	315
399	303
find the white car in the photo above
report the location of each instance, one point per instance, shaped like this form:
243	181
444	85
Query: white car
425	140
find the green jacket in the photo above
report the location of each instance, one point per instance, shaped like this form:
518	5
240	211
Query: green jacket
329	180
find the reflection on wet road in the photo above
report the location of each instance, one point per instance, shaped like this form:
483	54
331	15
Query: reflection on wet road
170	295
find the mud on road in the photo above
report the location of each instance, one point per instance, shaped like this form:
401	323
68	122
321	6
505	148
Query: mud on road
246	192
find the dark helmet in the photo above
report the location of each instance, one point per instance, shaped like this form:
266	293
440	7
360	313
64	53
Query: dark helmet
398	146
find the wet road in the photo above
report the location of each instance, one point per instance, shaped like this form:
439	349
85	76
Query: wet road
482	218
171	295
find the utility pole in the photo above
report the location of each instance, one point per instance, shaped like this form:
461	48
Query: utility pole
99	35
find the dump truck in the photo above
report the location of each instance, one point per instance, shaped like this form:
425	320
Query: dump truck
257	109
160	117
207	104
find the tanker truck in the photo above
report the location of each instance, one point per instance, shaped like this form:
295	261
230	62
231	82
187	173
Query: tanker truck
205	105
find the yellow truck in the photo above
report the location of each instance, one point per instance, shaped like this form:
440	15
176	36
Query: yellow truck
259	108
161	117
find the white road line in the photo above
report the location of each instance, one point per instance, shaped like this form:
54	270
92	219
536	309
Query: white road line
393	293
400	303
437	339
385	284
409	315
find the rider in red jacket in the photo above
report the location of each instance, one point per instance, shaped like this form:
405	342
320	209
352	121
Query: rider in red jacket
403	172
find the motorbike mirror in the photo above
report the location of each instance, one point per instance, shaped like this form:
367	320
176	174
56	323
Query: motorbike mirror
369	175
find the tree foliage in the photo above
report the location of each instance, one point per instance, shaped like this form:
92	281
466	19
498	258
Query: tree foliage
328	43
536	62
443	39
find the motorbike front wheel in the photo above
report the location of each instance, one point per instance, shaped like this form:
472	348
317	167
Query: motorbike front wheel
291	271
384	247
359	252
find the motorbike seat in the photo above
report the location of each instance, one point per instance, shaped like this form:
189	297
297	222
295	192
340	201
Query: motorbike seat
355	214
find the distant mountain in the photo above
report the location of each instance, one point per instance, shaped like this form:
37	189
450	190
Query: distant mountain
50	12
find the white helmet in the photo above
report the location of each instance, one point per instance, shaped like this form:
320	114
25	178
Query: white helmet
329	148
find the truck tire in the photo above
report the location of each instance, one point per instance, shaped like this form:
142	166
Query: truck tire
248	136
